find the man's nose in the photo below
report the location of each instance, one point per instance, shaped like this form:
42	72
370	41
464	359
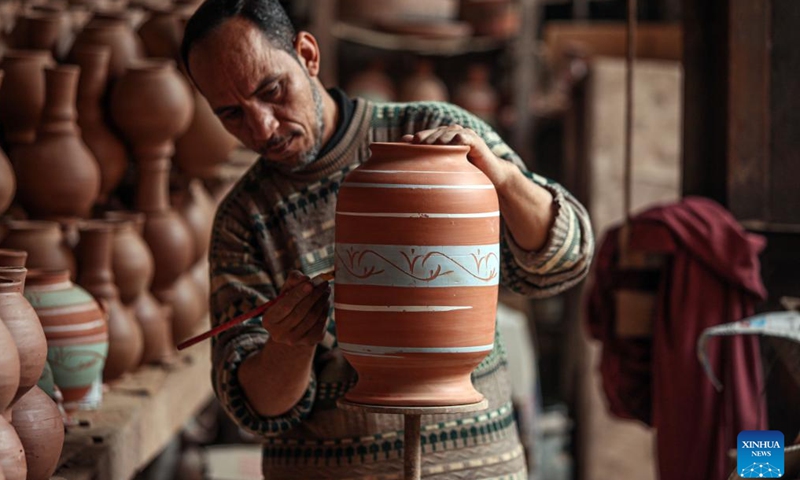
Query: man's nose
262	123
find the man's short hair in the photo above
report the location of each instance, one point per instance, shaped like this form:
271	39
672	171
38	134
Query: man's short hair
268	15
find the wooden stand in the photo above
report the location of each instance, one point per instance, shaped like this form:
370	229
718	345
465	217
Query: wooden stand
412	452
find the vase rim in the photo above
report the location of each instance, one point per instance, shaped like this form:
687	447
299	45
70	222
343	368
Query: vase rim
8	285
13	252
13	273
26	54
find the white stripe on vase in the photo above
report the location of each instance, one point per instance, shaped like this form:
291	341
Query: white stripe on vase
74	328
424	187
496	213
377	350
399	308
56	311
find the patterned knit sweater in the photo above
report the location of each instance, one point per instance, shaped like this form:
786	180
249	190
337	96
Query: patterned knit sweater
273	222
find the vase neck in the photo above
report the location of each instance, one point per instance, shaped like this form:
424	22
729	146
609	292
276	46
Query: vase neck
93	61
59	113
153	189
94	259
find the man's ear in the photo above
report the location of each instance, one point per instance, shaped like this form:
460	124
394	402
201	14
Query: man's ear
307	52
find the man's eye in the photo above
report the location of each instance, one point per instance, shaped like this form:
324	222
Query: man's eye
272	91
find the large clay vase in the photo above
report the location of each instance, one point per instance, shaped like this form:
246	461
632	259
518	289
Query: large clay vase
105	146
43	241
154	319
373	84
131	259
12	455
40	429
477	95
423	85
126	47
9	367
151	105
12	258
22	321
57	174
76	329
22	95
417	269
125	341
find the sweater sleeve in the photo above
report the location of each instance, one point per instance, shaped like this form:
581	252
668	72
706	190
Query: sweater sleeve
566	256
239	283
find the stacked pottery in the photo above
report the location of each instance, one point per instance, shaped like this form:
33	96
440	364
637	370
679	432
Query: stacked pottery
77	334
125	342
161	33
417	269
132	264
43	241
115	33
11	261
423	85
152	105
40	429
57	174
12	455
22	95
477	95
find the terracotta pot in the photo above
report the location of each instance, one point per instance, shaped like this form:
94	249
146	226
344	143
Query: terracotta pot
22	95
186	301
23	323
477	95
154	318
41	431
12	455
57	174
206	144
12	258
416	274
125	340
423	85
495	18
126	47
109	150
38	30
161	33
42	240
196	206
76	329
131	259
9	367
372	84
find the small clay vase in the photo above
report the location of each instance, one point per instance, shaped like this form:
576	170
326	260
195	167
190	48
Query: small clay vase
186	301
57	174
22	321
9	367
12	454
42	240
125	340
12	258
22	95
76	329
423	85
154	319
114	32
372	84
108	150
477	95
40	429
161	33
131	260
197	207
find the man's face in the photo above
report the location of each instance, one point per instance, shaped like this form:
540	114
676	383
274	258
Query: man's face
263	95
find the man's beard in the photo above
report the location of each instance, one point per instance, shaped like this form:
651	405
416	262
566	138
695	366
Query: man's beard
310	156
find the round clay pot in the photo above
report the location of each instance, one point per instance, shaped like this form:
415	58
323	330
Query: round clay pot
38	423
154	319
9	367
12	258
117	34
372	84
161	33
76	329
109	150
22	95
477	95
125	340
417	272
12	455
131	259
186	301
42	240
423	85
197	207
57	174
23	323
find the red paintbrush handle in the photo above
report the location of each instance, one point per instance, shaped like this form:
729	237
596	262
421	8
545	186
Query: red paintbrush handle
245	316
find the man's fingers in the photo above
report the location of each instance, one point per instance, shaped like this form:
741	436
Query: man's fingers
294	278
314	323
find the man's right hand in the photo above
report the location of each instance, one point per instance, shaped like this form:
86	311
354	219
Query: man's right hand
301	315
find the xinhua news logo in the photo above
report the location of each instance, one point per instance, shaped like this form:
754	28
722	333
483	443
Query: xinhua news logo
760	454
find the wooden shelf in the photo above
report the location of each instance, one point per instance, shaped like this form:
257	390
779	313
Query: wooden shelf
419	45
139	416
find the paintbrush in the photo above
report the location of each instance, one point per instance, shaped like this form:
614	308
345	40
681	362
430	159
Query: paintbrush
316	281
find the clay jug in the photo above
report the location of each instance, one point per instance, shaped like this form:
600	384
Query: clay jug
197	207
22	95
9	367
38	423
57	174
42	240
154	318
76	329
417	269
125	341
206	144
372	84
423	85
161	33
105	146
186	301
21	320
12	258
12	455
131	259
115	33
477	95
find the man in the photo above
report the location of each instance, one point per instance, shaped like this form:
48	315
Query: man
279	376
